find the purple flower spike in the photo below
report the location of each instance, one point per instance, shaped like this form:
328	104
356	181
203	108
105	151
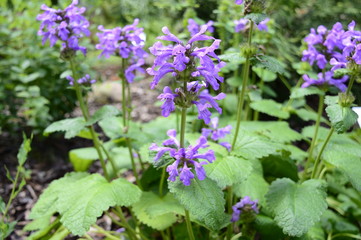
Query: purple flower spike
86	80
66	25
168	97
216	133
245	205
176	59
194	28
326	79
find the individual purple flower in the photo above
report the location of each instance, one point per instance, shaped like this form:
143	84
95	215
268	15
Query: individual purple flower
177	58
194	27
325	79
238	2
86	80
168	97
245	205
216	133
127	43
207	101
185	159
66	25
243	23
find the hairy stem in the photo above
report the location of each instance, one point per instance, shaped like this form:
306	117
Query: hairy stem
313	175
244	86
189	226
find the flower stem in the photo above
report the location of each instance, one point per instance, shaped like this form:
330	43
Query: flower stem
86	116
189	226
230	203
314	139
321	151
349	87
162	182
244	86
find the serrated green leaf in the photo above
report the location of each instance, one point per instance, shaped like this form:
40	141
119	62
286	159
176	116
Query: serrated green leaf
342	118
315	233
71	127
24	149
203	199
264	74
271	108
349	164
331	100
256	17
227	171
339	73
82	202
254	186
39	223
233	57
302	92
112	127
251	146
47	200
307	115
158	213
104	112
82	158
270	63
297	207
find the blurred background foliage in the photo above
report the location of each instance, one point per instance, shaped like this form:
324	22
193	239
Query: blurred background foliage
33	91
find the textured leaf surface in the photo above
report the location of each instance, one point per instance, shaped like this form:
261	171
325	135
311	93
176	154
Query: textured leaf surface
270	63
251	146
297	207
158	213
47	200
81	198
229	170
71	127
85	200
342	118
271	108
103	113
264	74
307	115
347	163
256	17
203	199
302	92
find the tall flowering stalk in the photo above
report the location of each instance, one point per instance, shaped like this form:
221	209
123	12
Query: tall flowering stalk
329	50
68	26
126	43
193	69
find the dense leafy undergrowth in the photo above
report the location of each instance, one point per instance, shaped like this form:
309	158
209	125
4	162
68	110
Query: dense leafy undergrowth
208	168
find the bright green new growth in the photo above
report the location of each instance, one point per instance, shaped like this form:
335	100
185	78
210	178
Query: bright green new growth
297	207
81	198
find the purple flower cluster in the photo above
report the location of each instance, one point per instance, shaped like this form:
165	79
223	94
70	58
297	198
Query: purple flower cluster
196	94
66	25
185	158
84	80
126	42
176	59
238	2
243	23
216	133
337	47
194	28
243	206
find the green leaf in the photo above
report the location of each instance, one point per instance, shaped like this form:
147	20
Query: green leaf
82	202
233	57
256	17
315	233
82	158
349	164
270	63
104	112
71	127
203	199
342	118
251	146
280	166
271	108
45	205
302	92
227	171
6	229
158	213
2	205
80	198
339	73
307	115
234	81
267	228
112	127
230	103
39	223
264	74
297	207
332	222
254	186
23	150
